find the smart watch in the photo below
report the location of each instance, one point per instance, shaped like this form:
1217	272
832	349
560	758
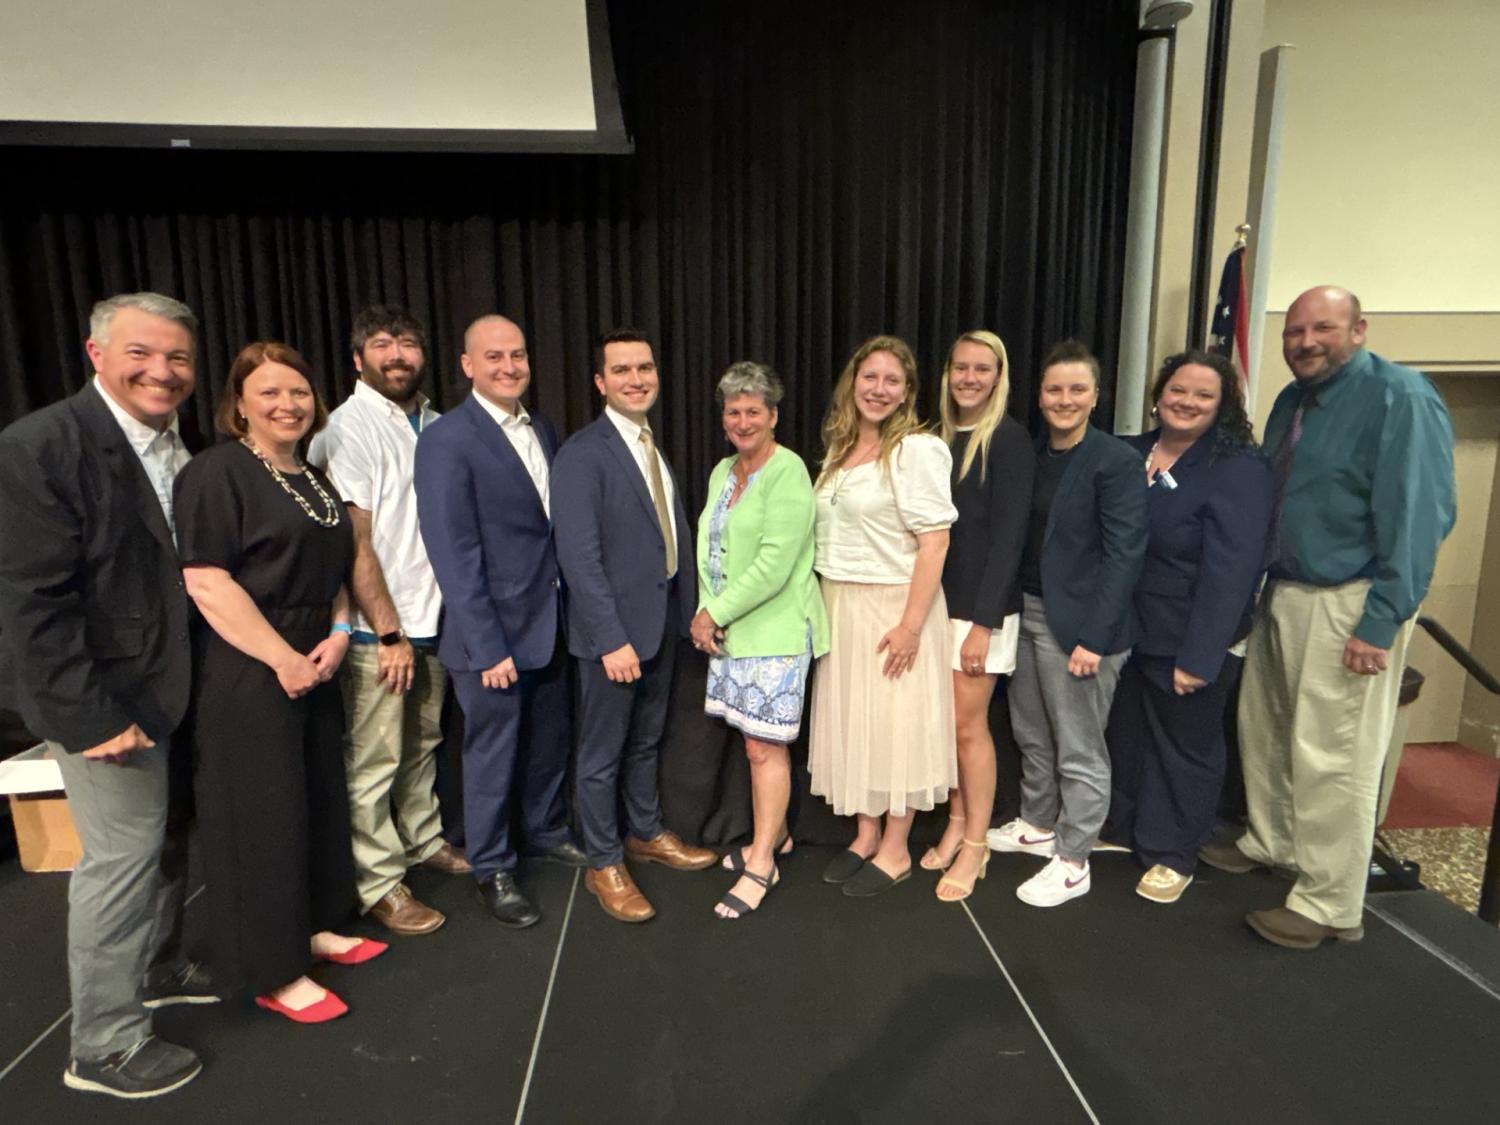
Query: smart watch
392	638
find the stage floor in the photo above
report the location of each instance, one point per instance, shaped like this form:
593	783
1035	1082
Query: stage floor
821	1008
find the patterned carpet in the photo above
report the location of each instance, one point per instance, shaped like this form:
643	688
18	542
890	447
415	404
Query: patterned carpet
1452	859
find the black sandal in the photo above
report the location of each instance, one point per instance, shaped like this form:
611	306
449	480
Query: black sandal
741	908
735	860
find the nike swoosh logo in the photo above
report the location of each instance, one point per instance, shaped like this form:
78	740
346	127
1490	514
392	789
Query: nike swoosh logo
1071	883
1040	840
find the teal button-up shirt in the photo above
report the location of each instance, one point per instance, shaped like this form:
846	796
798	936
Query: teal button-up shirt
1371	492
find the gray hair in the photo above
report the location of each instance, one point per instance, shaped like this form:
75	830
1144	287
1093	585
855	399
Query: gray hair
750	378
168	308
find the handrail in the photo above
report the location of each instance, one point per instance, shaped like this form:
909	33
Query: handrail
1449	644
1489	885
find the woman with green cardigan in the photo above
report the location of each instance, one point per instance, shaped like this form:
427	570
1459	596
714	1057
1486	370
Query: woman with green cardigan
761	616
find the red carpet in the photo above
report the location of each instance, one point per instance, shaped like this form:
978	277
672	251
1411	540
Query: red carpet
1443	785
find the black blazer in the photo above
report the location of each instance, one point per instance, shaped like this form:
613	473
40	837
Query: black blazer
1204	556
1094	545
93	613
985	543
489	541
610	548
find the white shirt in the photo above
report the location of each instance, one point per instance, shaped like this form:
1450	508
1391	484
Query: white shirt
368	450
161	452
517	428
631	432
868	519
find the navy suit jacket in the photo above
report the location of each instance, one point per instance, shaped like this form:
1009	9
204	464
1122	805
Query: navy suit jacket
1094	544
1204	556
489	541
611	550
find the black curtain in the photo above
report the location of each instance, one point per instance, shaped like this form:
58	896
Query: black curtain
805	175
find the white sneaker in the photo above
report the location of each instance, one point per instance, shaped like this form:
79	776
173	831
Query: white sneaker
1054	884
1018	836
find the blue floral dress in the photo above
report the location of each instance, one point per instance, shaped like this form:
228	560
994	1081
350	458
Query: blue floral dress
760	696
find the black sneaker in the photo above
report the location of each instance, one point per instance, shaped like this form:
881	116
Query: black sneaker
185	983
153	1066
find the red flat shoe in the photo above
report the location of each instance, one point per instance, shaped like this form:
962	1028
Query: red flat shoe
328	1008
366	949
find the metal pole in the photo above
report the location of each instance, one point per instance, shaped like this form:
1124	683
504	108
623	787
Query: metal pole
1214	76
1265	168
1153	61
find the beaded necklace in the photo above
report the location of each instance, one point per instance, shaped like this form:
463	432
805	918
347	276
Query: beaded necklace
330	516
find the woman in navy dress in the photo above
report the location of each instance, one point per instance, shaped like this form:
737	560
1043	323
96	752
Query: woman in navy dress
1210	501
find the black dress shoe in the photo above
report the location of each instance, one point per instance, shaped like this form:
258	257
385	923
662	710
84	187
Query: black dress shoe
566	853
843	867
502	896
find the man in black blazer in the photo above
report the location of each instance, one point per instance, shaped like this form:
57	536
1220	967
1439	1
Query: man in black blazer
483	499
94	639
627	561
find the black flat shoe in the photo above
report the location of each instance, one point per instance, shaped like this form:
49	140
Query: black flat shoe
502	897
870	881
566	853
843	867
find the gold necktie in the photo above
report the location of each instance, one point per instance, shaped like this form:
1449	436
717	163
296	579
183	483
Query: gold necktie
659	498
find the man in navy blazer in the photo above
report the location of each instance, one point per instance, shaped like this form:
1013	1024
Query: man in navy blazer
626	552
483	505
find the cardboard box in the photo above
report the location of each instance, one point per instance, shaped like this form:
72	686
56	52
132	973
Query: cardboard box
45	835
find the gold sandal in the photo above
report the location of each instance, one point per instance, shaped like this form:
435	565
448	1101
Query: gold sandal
932	859
984	866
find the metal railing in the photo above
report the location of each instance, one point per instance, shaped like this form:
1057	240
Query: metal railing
1489	887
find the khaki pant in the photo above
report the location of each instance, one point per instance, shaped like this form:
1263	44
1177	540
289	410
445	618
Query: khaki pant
389	742
1313	738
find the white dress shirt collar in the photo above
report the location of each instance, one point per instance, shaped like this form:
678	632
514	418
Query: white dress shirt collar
630	431
373	398
137	432
506	419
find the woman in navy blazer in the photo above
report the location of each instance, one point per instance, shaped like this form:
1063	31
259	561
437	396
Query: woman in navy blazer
1085	540
1210	501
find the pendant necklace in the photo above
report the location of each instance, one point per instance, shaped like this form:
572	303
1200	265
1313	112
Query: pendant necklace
842	475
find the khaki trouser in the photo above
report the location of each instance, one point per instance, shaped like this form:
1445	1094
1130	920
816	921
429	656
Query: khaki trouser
389	742
1313	738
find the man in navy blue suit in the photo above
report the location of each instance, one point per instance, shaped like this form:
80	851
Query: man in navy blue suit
484	504
621	535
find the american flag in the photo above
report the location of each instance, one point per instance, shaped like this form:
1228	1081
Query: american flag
1231	330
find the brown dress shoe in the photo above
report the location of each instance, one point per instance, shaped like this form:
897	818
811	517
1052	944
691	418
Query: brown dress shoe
617	893
1227	857
401	913
449	860
1285	927
669	849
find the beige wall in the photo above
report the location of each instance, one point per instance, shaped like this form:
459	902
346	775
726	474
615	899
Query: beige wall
1390	174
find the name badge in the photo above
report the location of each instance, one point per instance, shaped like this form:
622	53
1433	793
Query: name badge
1164	478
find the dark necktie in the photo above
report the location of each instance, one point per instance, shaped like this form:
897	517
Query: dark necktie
1281	472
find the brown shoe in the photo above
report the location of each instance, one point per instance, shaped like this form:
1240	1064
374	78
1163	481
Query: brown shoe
401	913
1283	926
449	860
617	893
669	849
1227	857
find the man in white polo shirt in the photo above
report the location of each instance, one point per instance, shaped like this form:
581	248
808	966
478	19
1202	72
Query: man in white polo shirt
393	683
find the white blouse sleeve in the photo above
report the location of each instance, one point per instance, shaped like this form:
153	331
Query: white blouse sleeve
921	468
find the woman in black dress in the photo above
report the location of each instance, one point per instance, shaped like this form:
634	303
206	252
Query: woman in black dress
266	548
993	464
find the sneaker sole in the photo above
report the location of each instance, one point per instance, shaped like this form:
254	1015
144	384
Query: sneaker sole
168	1001
87	1085
1159	900
1076	892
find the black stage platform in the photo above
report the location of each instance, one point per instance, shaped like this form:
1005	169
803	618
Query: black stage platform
826	1009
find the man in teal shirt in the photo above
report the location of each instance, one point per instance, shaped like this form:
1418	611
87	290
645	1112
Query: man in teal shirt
1362	451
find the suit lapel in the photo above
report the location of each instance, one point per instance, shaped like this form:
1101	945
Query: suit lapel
614	441
493	438
123	463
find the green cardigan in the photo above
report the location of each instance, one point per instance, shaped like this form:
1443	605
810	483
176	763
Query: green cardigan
770	594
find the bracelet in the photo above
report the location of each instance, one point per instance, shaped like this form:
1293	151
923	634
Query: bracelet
341	627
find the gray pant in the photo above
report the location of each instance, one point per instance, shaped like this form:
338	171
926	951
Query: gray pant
121	908
1059	723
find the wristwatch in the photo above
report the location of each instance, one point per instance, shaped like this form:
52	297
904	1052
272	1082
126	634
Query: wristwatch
395	637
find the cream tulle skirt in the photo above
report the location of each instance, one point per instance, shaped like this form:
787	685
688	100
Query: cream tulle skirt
879	745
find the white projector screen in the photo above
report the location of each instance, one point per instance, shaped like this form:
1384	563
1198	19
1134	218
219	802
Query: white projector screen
495	75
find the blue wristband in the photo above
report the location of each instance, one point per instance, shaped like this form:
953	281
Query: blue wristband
341	627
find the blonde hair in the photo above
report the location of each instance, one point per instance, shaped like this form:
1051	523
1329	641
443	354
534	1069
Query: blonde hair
994	407
841	423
